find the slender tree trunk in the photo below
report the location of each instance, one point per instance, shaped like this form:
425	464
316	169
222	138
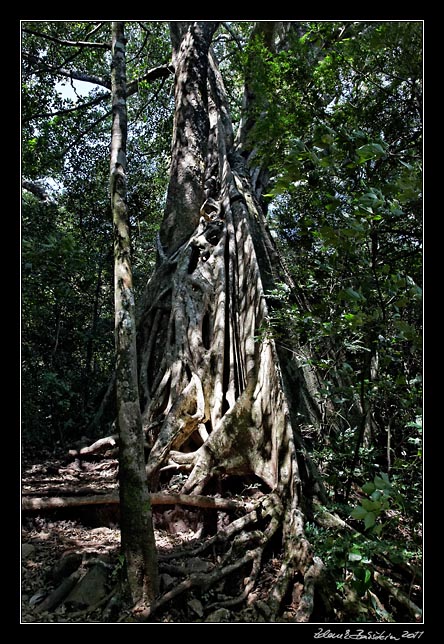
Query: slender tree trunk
91	339
137	534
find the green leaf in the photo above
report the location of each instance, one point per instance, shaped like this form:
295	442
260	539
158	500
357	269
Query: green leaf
370	506
382	482
369	520
358	512
354	294
377	529
370	151
369	488
362	579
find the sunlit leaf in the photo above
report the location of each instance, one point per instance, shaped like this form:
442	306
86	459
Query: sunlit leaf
370	151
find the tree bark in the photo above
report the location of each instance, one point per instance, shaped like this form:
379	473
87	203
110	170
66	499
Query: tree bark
214	400
137	533
190	43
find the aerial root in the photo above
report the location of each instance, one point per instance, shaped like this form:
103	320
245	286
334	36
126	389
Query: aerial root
244	543
249	583
197	580
222	534
306	603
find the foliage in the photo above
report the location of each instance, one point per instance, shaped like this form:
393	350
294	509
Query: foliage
340	126
380	496
66	325
67	302
343	134
354	560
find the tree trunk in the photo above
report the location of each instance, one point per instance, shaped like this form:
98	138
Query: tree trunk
214	400
137	534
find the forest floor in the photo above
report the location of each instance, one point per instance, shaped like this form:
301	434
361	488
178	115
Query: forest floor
63	544
70	563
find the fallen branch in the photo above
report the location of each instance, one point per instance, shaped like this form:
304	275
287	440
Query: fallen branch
55	502
70	490
108	441
379	607
157	498
91	609
58	595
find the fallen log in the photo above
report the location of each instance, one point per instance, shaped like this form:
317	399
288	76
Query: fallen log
55	502
157	498
108	441
68	490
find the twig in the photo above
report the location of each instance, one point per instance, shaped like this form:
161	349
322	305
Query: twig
69	43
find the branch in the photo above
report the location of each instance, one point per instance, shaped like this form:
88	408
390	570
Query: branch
108	441
162	71
233	35
69	43
82	134
73	490
73	74
95	29
36	190
58	595
157	498
142	26
142	46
